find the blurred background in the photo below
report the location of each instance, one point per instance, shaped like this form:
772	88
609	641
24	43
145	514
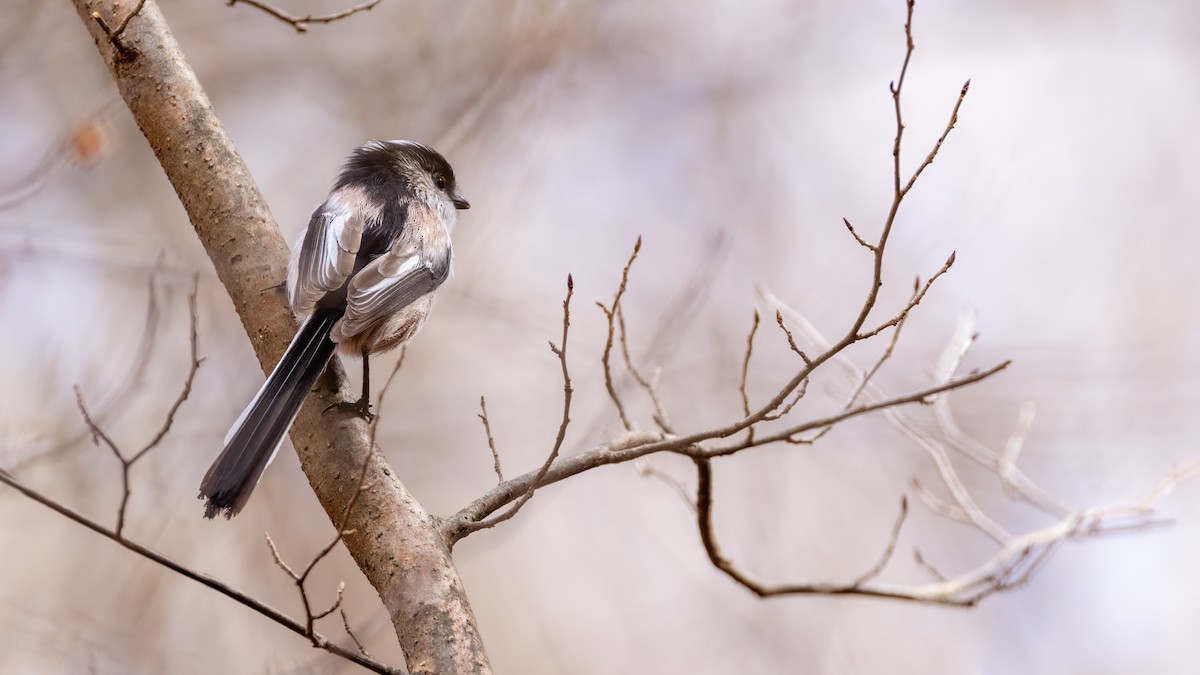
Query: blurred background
733	137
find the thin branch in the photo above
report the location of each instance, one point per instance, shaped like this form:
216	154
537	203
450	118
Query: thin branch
346	624
487	429
919	396
301	23
651	385
962	95
927	566
864	243
791	339
746	373
462	529
889	550
916	299
610	313
193	366
887	354
220	587
647	470
114	34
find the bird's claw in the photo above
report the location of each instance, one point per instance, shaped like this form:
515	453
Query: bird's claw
361	407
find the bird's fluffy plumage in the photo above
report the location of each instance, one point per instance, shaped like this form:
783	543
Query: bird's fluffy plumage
362	279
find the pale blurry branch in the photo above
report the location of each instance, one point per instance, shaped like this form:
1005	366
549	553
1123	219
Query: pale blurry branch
98	434
890	549
301	23
396	544
559	351
649	471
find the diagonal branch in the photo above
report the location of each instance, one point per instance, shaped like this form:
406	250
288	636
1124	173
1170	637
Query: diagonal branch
203	579
399	548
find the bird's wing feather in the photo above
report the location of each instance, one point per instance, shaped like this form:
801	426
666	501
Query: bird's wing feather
327	254
415	265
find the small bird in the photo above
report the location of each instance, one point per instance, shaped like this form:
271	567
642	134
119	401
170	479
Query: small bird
362	282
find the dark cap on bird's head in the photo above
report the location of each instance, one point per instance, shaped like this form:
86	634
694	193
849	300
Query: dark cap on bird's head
377	163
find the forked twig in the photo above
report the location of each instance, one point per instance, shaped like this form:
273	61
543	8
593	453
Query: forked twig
610	313
98	434
465	528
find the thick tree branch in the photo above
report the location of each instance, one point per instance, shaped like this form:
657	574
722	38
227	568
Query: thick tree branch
395	542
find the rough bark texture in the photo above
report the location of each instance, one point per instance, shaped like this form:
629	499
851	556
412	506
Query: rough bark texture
397	545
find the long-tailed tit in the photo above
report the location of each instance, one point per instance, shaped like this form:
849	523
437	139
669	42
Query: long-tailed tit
361	282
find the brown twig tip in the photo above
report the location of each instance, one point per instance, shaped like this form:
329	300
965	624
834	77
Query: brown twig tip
966	86
570	282
854	233
637	246
950	260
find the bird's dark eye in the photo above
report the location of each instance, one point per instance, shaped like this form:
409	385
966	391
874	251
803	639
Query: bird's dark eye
440	181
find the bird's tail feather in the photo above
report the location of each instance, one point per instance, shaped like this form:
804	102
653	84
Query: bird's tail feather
255	438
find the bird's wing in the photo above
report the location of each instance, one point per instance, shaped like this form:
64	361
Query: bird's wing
415	265
326	257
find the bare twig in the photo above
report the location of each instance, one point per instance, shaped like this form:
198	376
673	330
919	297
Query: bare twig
301	23
346	624
487	429
927	566
791	338
887	354
651	385
649	471
918	396
746	373
918	295
889	550
114	34
610	313
462	529
98	434
864	243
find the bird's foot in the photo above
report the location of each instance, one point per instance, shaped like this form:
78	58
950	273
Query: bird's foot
361	407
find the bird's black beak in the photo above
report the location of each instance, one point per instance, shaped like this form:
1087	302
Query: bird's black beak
460	202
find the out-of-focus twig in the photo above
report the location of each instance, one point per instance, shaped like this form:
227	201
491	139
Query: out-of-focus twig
301	23
98	434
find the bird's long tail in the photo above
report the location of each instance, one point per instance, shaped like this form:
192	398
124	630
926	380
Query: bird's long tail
255	438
